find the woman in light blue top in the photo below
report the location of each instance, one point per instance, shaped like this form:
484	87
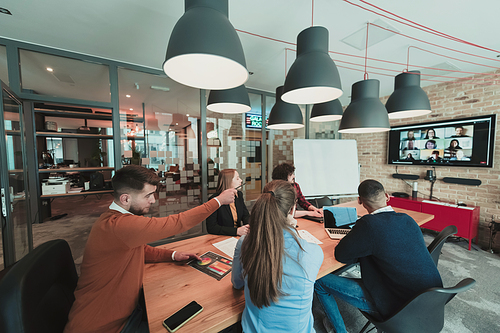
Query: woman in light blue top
277	268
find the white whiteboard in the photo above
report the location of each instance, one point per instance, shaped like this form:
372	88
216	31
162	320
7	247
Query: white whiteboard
326	167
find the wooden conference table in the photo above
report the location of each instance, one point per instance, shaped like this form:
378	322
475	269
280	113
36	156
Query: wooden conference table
170	286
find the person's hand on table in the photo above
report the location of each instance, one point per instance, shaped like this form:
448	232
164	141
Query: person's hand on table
181	256
314	213
314	209
243	230
227	196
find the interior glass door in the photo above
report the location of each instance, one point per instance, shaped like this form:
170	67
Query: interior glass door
16	231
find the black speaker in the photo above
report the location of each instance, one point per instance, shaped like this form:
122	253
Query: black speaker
462	181
96	181
404	176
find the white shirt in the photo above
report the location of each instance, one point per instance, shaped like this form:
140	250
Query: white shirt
383	210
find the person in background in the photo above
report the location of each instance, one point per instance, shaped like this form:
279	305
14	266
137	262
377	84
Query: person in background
410	135
232	219
430	144
431	134
286	171
393	257
276	267
454	144
107	296
409	157
459	132
434	157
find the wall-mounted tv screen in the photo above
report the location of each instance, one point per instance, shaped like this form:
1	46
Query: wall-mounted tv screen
254	121
456	142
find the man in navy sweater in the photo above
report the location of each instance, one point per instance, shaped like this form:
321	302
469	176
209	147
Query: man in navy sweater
394	260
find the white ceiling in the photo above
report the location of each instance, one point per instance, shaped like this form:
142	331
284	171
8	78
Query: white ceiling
137	32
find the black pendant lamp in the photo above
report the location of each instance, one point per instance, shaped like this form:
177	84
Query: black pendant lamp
204	50
284	115
233	100
313	77
366	113
328	111
408	99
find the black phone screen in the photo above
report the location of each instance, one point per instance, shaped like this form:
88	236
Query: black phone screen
181	316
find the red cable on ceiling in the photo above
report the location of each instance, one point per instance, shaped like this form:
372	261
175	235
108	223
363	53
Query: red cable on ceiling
471	80
312	13
374	59
442	55
443	47
430	29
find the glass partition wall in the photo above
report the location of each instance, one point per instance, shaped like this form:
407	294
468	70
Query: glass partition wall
132	115
234	142
159	129
4	75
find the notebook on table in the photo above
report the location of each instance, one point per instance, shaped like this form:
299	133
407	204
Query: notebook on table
338	221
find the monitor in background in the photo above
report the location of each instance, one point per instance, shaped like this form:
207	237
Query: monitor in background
458	142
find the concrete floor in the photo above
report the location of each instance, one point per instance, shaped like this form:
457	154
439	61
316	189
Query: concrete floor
74	227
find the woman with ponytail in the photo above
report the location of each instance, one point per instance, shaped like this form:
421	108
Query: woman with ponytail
277	268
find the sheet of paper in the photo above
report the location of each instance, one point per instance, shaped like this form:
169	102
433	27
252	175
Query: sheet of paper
306	235
227	246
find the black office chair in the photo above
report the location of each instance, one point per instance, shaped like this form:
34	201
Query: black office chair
422	314
320	202
36	294
438	242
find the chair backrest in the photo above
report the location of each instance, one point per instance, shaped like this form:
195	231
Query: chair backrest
437	244
424	313
36	294
320	202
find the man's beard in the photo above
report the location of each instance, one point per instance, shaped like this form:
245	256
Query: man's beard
137	211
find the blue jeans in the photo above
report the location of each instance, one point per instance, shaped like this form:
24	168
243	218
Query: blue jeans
351	291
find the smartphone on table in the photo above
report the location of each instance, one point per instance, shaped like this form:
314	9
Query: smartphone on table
175	321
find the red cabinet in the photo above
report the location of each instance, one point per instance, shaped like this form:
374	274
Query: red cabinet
466	219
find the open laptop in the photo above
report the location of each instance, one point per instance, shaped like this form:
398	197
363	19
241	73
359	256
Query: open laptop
339	220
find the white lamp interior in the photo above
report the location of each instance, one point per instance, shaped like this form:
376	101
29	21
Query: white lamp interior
206	71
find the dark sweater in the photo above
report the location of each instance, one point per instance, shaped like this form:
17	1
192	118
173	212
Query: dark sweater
221	221
395	263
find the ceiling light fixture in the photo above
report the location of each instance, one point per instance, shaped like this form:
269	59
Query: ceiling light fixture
233	100
313	77
284	115
365	113
204	50
49	69
160	88
408	99
328	111
128	96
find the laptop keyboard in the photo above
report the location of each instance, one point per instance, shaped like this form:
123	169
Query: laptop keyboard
338	231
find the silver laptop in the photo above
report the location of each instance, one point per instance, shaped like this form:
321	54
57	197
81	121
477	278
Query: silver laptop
338	220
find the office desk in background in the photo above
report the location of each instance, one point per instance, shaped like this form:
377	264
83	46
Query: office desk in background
169	286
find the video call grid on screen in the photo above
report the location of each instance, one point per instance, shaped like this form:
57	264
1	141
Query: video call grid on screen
447	143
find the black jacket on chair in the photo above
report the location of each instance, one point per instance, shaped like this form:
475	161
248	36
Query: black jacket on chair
221	222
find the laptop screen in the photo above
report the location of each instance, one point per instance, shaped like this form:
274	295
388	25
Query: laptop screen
339	217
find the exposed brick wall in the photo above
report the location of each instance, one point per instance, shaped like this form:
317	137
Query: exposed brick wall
457	99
